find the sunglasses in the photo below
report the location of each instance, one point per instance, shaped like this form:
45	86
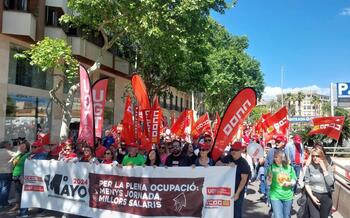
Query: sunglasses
108	153
34	147
161	147
207	140
67	149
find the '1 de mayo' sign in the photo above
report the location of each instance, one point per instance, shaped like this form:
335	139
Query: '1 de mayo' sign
343	90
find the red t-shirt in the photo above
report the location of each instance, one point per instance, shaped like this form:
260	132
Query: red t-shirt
100	151
297	154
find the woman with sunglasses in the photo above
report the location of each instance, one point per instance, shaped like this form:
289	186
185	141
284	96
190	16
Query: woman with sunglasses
67	154
319	179
108	157
88	155
153	158
203	157
163	153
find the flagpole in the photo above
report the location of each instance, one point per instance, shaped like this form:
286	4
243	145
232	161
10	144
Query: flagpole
335	148
282	69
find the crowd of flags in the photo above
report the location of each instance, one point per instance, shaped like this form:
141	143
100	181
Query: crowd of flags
143	123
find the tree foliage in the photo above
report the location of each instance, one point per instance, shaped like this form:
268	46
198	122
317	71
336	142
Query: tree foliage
257	112
231	69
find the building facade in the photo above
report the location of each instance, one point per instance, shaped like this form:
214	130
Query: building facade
26	105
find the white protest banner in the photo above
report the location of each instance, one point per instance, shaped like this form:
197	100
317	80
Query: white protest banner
109	191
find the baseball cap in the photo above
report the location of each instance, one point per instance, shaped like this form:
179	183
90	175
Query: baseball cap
297	139
237	146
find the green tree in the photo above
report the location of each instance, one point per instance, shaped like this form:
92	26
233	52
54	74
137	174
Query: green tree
299	98
163	38
231	69
257	112
345	133
290	99
316	101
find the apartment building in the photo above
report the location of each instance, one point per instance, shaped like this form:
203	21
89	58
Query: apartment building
26	106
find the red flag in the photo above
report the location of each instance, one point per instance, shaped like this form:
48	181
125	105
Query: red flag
155	125
44	138
185	120
217	123
260	122
128	131
278	123
202	125
145	143
238	110
86	128
329	126
140	92
99	94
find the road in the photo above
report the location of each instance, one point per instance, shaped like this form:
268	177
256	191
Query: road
253	207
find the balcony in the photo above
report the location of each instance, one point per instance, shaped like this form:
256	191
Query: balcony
58	3
55	32
19	23
84	48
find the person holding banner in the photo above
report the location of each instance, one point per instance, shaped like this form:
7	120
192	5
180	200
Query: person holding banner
108	158
319	179
88	155
176	158
17	173
162	151
67	154
203	157
242	175
153	158
133	158
281	179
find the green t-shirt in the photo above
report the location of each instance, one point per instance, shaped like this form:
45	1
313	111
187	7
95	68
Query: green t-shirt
138	160
19	164
279	176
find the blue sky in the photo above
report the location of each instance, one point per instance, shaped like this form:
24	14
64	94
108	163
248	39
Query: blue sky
310	38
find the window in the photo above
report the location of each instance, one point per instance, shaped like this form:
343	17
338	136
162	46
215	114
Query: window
19	5
52	16
176	107
26	116
22	73
187	102
181	102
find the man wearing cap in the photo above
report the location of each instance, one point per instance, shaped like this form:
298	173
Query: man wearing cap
281	142
242	175
37	151
133	158
296	155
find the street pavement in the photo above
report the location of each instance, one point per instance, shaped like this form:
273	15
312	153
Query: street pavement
253	207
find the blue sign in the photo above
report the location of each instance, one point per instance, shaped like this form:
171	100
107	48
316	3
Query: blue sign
343	90
299	119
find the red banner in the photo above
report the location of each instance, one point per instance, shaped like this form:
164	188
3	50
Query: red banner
99	94
278	123
329	126
202	125
140	92
185	120
128	131
156	118
86	128
238	110
260	122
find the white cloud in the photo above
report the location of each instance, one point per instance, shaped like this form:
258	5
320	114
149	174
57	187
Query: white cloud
271	92
345	12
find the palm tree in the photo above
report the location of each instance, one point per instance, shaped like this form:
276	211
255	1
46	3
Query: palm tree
290	98
299	98
326	108
315	101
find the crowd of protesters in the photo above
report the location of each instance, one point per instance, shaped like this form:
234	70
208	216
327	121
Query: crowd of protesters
285	166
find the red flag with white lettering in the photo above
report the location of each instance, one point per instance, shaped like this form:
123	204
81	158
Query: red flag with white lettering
184	121
278	123
329	126
86	128
238	110
99	94
202	125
